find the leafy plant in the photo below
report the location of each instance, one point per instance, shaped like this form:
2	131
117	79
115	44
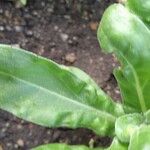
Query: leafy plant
43	92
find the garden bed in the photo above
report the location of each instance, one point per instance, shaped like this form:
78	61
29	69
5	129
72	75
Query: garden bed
65	33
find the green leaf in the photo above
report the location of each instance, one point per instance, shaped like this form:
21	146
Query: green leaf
52	95
141	8
125	34
63	147
140	140
117	145
126	125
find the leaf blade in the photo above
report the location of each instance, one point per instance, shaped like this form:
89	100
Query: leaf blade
125	34
52	95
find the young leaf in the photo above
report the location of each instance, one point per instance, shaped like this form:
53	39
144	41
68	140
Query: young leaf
63	147
48	94
140	140
125	34
126	125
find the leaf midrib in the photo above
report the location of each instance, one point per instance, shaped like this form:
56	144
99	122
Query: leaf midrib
103	113
137	85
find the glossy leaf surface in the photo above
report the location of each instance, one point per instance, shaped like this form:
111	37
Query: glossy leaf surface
126	125
140	140
52	95
125	34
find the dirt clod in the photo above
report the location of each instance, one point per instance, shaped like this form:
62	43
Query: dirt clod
64	37
70	57
20	142
94	26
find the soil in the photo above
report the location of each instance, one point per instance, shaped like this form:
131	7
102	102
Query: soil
66	33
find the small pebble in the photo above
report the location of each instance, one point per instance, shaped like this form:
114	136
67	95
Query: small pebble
46	141
117	91
56	28
64	37
67	17
15	45
35	13
7	14
52	44
1	11
48	132
8	28
19	126
20	142
1	28
3	130
16	146
7	124
93	26
50	10
75	38
29	33
42	4
9	144
18	28
71	57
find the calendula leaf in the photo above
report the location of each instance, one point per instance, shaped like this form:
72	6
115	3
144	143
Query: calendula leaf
127	35
52	95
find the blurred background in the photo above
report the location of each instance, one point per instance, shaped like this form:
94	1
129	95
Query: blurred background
64	31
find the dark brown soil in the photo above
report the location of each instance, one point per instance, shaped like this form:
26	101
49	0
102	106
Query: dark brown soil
65	33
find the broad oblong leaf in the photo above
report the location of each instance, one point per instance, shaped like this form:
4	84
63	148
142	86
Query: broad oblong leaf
126	34
140	140
64	147
126	125
52	95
